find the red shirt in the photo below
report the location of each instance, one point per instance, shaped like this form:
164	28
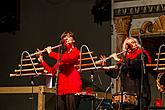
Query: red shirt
69	80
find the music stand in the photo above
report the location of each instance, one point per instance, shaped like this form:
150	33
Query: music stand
27	69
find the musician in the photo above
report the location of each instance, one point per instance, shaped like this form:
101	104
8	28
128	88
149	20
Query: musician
69	81
131	69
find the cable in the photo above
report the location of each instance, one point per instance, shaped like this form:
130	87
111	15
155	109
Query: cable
105	95
57	73
143	71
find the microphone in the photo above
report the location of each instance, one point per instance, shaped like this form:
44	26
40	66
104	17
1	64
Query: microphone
61	41
129	46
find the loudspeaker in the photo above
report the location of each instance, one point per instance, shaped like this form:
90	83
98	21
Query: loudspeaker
92	103
87	103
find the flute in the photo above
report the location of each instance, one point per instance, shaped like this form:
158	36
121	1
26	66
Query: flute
57	46
110	56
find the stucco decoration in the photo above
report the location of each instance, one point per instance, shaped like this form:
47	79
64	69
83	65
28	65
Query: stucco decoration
122	26
148	26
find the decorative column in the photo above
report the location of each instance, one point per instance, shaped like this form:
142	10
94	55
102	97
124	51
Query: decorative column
122	26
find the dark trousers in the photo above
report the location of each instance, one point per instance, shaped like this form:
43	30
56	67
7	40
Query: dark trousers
68	102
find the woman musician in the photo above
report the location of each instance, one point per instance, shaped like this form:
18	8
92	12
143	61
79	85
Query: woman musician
69	80
131	69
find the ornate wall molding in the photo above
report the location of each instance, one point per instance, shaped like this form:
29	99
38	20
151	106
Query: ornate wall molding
139	10
150	27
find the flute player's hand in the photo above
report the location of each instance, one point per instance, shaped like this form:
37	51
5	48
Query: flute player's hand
103	60
114	55
40	56
48	49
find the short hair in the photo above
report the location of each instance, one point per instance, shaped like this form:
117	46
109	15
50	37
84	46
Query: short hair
65	34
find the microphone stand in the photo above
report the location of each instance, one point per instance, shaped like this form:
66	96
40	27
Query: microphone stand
92	87
56	76
121	79
143	71
32	96
109	87
105	95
